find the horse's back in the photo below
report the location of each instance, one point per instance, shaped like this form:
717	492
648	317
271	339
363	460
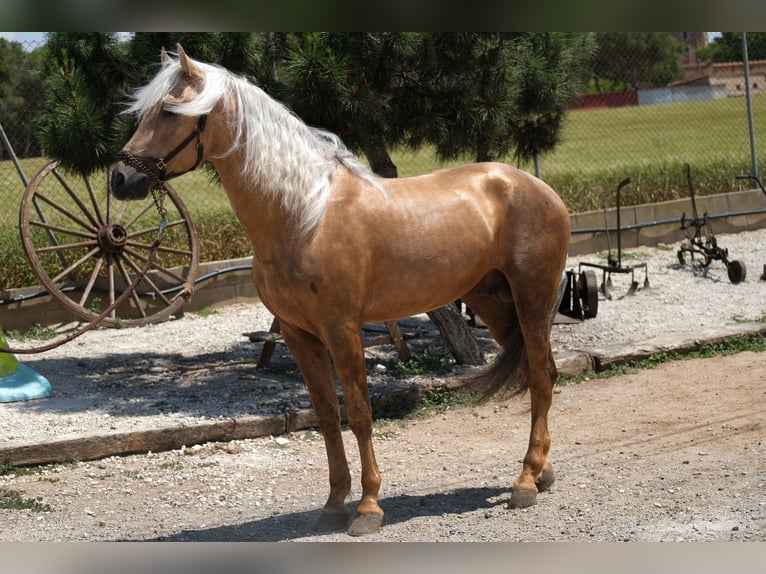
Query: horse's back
495	193
484	180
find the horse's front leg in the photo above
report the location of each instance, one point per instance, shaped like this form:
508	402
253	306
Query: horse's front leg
311	356
348	356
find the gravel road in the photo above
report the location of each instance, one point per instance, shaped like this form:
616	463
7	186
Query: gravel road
673	453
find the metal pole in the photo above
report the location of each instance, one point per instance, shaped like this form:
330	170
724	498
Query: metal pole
15	160
35	203
746	65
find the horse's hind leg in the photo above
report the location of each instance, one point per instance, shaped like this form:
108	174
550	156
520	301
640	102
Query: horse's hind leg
311	356
534	313
515	317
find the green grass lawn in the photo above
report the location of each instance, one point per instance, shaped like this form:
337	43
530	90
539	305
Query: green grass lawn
689	132
649	144
623	138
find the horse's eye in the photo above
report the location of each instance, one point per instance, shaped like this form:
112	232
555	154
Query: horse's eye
168	113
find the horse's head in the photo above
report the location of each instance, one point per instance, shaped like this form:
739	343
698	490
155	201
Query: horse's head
168	141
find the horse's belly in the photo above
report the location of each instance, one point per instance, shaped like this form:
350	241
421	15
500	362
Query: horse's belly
402	293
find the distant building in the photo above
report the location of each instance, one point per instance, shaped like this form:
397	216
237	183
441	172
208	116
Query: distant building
701	81
728	75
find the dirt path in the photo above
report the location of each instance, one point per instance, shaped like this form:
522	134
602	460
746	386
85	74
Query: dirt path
668	454
673	453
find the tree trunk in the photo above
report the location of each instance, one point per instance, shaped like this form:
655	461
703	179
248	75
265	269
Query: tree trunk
456	332
380	161
458	336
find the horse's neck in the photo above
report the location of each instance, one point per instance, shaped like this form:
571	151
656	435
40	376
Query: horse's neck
262	217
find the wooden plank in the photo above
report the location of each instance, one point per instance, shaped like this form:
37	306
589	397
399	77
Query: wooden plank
396	338
269	346
265	336
301	420
683	343
573	363
93	446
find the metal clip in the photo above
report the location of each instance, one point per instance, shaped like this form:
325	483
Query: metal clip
161	228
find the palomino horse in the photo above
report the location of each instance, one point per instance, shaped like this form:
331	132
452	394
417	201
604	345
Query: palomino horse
336	246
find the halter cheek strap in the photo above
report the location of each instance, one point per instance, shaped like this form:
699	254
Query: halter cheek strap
156	167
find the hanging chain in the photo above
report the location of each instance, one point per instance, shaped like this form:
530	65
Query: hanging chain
158	195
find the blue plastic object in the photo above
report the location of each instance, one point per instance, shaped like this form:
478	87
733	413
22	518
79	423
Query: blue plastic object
17	381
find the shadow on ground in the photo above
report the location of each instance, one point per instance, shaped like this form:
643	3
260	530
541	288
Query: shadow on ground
298	525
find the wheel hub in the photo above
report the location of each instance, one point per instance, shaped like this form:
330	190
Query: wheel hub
112	238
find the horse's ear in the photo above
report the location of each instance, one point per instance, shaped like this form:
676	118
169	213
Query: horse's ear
190	69
164	58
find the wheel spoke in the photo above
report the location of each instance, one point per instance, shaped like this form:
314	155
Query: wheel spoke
69	214
156	266
92	280
75	198
157	291
123	206
156	228
139	215
128	281
109	200
94	201
174	251
110	283
76	264
61	229
54	248
161	248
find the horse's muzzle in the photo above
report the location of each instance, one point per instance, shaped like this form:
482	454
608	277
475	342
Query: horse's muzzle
129	183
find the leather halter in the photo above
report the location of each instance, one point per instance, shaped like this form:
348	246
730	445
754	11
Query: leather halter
155	167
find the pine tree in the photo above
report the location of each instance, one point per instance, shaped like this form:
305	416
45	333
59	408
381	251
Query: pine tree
87	76
477	95
548	70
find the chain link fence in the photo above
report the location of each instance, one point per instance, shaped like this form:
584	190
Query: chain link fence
649	136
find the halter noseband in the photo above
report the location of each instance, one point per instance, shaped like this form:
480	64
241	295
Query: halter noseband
155	167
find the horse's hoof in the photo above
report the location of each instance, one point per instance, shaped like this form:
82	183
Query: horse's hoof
331	521
365	524
522	498
545	480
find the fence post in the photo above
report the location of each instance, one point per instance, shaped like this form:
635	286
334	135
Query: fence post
746	66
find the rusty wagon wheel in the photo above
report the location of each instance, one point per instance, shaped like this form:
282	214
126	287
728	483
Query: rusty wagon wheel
86	248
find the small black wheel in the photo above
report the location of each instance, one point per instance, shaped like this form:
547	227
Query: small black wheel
737	271
588	291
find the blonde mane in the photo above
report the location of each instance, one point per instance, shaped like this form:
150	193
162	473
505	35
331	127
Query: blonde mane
282	156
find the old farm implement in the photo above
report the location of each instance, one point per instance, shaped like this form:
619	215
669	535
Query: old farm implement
580	299
760	185
701	241
614	264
